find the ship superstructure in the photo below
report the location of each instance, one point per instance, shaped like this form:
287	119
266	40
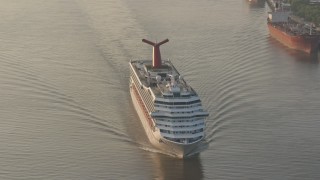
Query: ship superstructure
170	110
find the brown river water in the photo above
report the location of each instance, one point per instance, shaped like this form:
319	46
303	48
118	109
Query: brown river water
66	112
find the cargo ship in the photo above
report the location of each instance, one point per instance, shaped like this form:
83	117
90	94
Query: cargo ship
294	35
169	108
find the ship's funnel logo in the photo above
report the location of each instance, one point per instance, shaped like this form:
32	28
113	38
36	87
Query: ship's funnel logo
156	62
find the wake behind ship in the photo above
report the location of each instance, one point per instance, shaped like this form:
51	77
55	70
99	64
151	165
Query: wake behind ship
169	109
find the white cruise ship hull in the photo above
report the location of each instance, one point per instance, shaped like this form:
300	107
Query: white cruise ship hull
168	147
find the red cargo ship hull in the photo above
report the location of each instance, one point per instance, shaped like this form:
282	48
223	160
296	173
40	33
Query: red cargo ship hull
305	43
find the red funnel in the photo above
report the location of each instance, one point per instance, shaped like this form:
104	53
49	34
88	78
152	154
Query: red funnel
156	61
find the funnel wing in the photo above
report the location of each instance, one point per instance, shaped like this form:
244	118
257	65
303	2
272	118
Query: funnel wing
162	42
148	42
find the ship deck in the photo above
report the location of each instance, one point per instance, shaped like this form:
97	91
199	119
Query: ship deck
161	80
293	28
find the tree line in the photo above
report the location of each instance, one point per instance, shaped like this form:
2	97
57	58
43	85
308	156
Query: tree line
302	8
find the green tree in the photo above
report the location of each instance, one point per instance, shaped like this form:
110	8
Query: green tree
303	9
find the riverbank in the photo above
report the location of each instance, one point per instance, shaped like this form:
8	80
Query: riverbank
273	4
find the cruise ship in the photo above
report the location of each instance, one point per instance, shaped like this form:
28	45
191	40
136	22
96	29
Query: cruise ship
170	110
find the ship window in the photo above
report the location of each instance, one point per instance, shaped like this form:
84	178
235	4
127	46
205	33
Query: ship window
176	94
167	95
178	103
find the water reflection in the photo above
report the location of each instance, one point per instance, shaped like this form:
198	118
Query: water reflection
166	167
305	58
297	55
256	3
